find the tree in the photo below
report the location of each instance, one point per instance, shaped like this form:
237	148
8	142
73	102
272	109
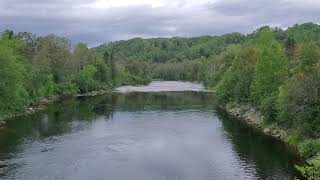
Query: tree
109	59
236	81
102	73
290	46
309	55
299	98
13	96
85	80
50	57
81	57
271	70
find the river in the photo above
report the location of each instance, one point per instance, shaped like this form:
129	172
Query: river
140	133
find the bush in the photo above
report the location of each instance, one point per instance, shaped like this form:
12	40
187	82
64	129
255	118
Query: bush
312	169
85	79
268	107
67	88
49	86
309	148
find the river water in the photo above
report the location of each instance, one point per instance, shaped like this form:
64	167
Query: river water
140	133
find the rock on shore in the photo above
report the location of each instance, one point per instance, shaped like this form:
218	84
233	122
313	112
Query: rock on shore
252	116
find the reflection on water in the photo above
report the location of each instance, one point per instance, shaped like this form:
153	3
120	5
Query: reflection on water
140	136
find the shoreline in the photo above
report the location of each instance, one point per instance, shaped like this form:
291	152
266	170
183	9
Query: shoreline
44	102
250	115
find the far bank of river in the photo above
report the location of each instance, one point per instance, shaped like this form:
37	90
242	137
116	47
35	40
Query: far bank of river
42	104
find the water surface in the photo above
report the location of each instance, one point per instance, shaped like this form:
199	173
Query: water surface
164	86
139	136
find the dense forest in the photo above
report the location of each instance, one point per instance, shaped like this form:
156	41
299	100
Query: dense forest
33	68
275	70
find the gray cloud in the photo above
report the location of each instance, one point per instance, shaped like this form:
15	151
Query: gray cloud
79	22
281	13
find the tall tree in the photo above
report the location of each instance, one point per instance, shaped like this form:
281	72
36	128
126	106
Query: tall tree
299	98
236	82
81	56
110	60
13	96
290	46
271	71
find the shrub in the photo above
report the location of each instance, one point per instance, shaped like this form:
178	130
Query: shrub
85	79
309	148
67	88
312	169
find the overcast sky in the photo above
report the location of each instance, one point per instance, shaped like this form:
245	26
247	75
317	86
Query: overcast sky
99	21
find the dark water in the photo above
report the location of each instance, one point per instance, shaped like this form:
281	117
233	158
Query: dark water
139	136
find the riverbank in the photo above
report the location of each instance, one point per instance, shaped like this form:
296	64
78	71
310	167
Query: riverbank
307	150
42	104
248	113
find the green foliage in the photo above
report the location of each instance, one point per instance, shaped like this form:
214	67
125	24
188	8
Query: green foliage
178	71
81	56
67	89
308	56
162	50
293	138
33	68
268	107
299	100
311	171
109	58
49	86
219	64
123	77
13	96
236	82
85	79
271	71
305	33
102	73
309	148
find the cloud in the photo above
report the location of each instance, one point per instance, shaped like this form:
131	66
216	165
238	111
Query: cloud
99	21
282	13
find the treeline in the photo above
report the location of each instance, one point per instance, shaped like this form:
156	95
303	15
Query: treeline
34	68
172	58
278	71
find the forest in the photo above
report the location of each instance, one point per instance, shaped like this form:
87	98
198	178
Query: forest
276	70
33	68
